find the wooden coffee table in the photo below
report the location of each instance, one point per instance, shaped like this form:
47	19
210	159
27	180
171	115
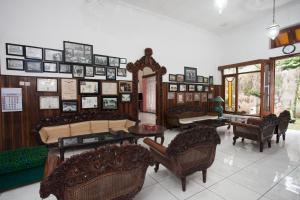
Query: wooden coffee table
140	132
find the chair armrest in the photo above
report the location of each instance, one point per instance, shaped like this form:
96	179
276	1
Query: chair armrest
51	163
254	121
244	125
155	146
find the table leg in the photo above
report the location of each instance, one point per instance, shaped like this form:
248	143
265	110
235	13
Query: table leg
136	140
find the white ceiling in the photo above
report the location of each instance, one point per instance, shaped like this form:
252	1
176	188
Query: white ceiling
202	13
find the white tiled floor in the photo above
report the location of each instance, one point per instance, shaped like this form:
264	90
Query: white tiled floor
238	172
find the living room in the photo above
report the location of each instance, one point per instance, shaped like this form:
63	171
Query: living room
128	99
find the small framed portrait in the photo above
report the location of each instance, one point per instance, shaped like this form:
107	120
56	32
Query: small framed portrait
50	67
180	78
210	80
171	95
14	49
172	77
100	60
203	97
192	88
88	87
69	106
197	97
88	102
100	71
206	88
14	64
33	66
173	87
125	86
125	97
49	102
111	73
190	74
121	72
210	96
33	52
189	97
182	88
65	68
109	103
53	55
180	98
68	89
46	84
109	88
114	62
205	80
200	79
89	71
123	61
78	53
199	88
78	71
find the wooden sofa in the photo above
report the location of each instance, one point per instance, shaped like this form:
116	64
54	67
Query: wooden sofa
48	130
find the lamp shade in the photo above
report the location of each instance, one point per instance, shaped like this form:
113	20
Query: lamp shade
218	99
273	31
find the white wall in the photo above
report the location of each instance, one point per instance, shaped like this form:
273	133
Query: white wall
114	29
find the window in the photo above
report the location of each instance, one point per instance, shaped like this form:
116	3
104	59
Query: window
287	36
230	94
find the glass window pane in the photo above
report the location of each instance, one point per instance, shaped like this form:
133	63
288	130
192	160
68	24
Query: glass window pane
230	71
282	39
297	34
267	76
249	68
230	94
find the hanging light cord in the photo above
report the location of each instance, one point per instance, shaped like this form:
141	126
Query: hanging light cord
273	11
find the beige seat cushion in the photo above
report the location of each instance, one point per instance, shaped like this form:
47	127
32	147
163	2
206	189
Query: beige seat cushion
129	123
55	132
119	129
116	125
193	119
99	126
80	128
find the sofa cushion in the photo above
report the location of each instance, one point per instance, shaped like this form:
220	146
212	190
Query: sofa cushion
55	132
99	126
129	123
80	128
190	114
116	125
194	119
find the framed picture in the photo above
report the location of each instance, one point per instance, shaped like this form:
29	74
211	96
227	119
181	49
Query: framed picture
65	68
89	102
210	96
14	49
199	88
206	88
123	61
205	80
33	66
69	106
100	71
173	87
180	98
100	60
110	73
125	86
172	77
203	96
189	97
125	97
89	71
109	103
33	52
78	53
211	80
182	87
200	79
114	62
197	97
53	55
14	64
171	95
50	67
46	84
192	88
78	71
109	88
88	87
190	74
49	102
68	89
180	78
121	72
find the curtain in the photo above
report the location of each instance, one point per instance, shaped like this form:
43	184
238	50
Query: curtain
149	94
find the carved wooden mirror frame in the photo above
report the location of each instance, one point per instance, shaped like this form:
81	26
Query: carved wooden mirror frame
147	61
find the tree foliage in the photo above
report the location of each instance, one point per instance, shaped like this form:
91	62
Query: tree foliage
290	63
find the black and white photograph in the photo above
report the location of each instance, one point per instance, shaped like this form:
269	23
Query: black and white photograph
189	97
69	106
109	88
46	84
205	80
206	88
14	64
173	87
123	61
65	68
172	77
121	72
100	71
200	79
109	103
192	88
114	62
190	74
89	102
182	88
33	53
197	97
88	87
53	55
210	96
33	66
111	73
199	88
50	67
171	95
100	60
211	80
78	71
89	71
125	86
203	97
180	78
78	53
14	49
125	97
180	97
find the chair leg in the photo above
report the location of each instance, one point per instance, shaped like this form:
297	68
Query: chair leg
269	143
204	172
277	138
156	166
283	136
243	139
261	147
183	182
234	140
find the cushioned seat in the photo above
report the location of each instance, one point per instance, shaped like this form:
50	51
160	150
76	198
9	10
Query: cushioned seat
194	119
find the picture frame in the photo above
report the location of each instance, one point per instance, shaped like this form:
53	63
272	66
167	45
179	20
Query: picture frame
122	72
33	66
49	102
205	80
210	96
199	88
100	71
197	97
123	60
50	67
89	71
125	87
78	53
180	78
100	60
65	68
191	88
32	52
109	88
14	49
189	97
206	88
200	79
173	87
180	98
54	55
68	89
210	80
78	71
172	77
190	74
89	102
182	87
113	62
88	87
69	106
15	64
203	97
111	73
46	85
125	97
109	102
171	95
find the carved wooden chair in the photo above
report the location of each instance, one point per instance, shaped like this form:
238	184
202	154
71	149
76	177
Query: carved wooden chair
190	151
284	120
110	172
